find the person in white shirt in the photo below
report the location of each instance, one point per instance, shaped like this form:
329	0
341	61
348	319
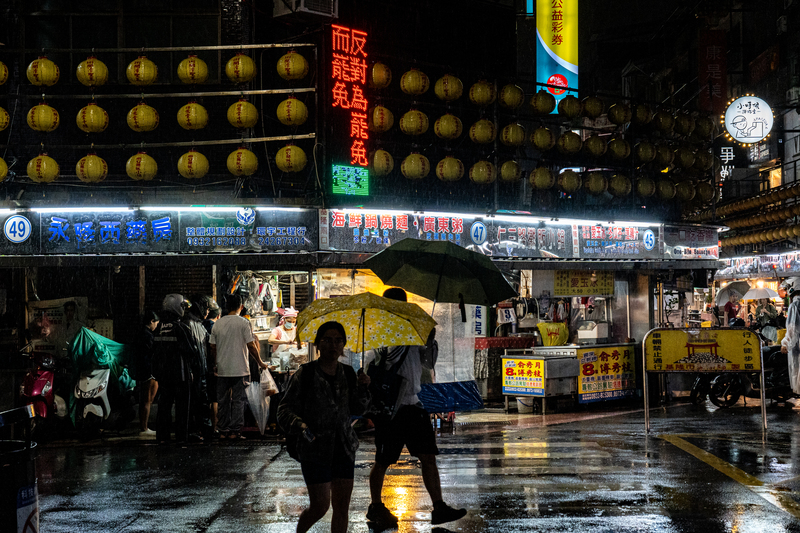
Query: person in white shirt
232	344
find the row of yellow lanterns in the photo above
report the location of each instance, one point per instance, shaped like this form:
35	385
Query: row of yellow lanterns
191	165
192	116
777	194
141	71
770	235
775	215
450	88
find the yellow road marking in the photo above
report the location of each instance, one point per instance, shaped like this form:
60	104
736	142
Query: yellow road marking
780	499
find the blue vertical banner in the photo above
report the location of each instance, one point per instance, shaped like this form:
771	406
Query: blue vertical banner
557	45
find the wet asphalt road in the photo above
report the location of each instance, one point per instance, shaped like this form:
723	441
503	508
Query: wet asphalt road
700	470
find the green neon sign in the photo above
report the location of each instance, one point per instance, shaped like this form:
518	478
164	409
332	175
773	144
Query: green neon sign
353	181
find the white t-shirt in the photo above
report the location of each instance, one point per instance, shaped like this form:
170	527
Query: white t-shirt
230	335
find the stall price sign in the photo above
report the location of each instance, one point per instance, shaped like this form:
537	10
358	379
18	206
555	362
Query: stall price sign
583	283
606	373
702	350
523	377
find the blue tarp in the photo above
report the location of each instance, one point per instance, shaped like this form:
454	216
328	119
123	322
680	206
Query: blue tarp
453	396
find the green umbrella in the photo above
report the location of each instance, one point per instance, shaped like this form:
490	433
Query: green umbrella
441	271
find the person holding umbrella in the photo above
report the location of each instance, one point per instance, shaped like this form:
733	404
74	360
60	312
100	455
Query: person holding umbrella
790	344
407	425
315	413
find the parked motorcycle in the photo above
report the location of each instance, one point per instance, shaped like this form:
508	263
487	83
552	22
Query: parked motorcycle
38	390
726	389
102	403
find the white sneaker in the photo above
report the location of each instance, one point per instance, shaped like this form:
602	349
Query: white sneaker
147	433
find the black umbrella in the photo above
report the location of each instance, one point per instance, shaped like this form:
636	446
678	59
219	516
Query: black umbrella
441	271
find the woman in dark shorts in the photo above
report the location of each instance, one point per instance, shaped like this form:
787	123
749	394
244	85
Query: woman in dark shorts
315	413
148	386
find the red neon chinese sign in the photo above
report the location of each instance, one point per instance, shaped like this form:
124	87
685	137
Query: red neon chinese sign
349	73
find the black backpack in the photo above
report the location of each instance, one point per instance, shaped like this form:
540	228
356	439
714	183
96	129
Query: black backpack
384	385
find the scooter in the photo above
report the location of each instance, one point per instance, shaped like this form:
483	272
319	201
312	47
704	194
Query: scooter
726	389
38	390
96	398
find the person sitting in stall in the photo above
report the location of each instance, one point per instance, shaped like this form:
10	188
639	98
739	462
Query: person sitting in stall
283	338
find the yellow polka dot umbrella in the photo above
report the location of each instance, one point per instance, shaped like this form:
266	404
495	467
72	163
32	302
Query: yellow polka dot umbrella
370	321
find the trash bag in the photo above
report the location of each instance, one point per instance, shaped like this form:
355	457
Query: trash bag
259	404
268	385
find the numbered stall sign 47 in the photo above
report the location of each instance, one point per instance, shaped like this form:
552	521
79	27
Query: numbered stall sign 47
17	229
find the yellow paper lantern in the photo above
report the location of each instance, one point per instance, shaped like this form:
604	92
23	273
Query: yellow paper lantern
380	119
291	158
705	191
242	114
483	173
379	76
664	121
448	88
3	169
482	93
619	185
42	117
569	181
3	73
142	118
92	118
619	114
542	178
292	112
619	149
193	165
569	107
415	166
242	162
569	142
141	167
513	135
543	139
595	146
593	107
685	191
666	189
43	169
448	127
664	155
684	157
512	96
414	82
292	66
5	119
193	116
242	69
414	122
91	169
482	132
645	151
704	127
543	103
92	72
703	160
381	163
596	183
684	124
43	72
192	70
642	114
450	169
141	71
510	172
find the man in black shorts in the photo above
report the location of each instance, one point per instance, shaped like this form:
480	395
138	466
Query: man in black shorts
409	426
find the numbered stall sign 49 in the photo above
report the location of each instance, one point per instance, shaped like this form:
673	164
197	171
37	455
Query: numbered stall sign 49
17	229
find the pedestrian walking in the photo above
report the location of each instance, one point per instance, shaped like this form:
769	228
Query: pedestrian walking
732	308
406	424
211	379
173	354
790	344
200	427
143	370
232	345
315	413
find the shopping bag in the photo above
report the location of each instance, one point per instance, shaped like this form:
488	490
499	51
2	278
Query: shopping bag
267	383
259	404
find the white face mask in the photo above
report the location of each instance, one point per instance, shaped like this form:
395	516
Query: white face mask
288	325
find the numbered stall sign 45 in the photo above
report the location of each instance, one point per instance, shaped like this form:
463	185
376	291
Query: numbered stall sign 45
17	229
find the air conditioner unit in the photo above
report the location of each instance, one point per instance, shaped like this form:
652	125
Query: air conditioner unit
793	96
315	8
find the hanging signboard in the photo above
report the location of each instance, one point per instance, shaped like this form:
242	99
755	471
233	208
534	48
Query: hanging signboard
583	283
688	242
748	120
557	46
610	241
606	373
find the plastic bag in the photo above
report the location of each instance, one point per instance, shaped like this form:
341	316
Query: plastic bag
259	404
268	385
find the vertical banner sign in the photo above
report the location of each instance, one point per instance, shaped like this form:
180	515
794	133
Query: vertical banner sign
557	45
712	75
349	77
